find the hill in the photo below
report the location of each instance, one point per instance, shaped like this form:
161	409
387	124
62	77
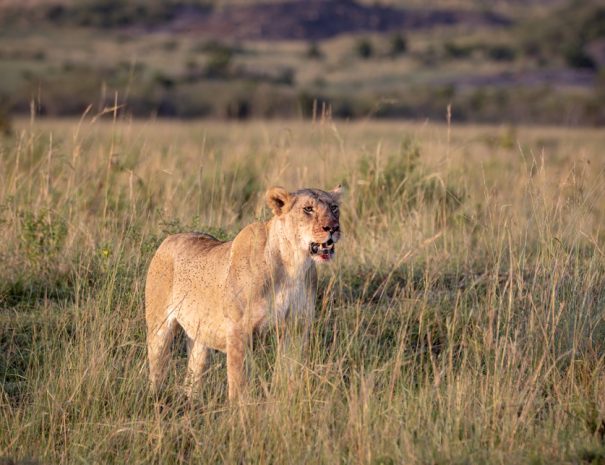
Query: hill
317	20
536	61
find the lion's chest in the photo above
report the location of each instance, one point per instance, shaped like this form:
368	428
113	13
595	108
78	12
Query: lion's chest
287	300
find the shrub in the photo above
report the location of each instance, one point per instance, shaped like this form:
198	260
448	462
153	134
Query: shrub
219	62
454	50
313	51
501	53
164	81
364	48
42	235
576	57
565	33
398	44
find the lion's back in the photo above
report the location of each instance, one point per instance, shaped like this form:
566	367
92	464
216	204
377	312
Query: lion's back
187	264
199	259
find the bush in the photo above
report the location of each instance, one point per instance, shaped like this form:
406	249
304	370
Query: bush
398	45
42	235
565	34
313	51
219	62
164	81
576	57
108	14
501	53
364	48
454	50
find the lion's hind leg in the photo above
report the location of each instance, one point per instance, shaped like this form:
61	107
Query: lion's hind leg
159	339
161	320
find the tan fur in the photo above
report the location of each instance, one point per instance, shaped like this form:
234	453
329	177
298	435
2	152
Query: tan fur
220	293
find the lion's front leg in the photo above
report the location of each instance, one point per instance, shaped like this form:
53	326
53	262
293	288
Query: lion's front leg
196	364
237	340
310	299
293	345
307	315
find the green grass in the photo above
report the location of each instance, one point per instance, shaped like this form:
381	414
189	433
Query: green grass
462	322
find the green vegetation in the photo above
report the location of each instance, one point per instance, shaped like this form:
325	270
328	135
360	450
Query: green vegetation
364	48
542	68
313	51
398	44
462	321
107	14
566	34
219	62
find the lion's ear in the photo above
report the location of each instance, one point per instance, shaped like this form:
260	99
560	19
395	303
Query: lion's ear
337	192
279	200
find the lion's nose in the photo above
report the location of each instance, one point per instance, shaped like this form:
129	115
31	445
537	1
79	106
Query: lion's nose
332	229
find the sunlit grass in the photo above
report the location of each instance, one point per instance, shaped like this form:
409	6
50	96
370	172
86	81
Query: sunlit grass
463	321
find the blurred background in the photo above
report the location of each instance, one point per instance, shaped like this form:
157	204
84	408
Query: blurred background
498	61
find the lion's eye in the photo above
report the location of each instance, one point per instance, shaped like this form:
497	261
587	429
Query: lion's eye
308	210
334	208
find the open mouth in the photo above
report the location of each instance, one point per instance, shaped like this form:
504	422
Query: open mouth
324	251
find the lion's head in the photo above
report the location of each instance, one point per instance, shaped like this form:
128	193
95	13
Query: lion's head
311	217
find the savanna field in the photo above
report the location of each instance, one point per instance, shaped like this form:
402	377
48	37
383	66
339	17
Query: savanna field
463	320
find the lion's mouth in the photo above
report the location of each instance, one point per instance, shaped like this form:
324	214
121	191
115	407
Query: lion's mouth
324	251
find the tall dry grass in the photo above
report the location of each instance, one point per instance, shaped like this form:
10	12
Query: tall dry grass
463	320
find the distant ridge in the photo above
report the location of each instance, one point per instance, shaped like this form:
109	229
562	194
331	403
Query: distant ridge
316	20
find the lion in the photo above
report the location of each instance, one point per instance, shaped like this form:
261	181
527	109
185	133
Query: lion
222	293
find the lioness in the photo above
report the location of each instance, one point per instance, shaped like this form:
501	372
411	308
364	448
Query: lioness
220	293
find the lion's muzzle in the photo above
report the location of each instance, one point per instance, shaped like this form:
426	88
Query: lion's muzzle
324	251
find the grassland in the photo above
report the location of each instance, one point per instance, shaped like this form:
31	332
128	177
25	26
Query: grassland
160	60
463	320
